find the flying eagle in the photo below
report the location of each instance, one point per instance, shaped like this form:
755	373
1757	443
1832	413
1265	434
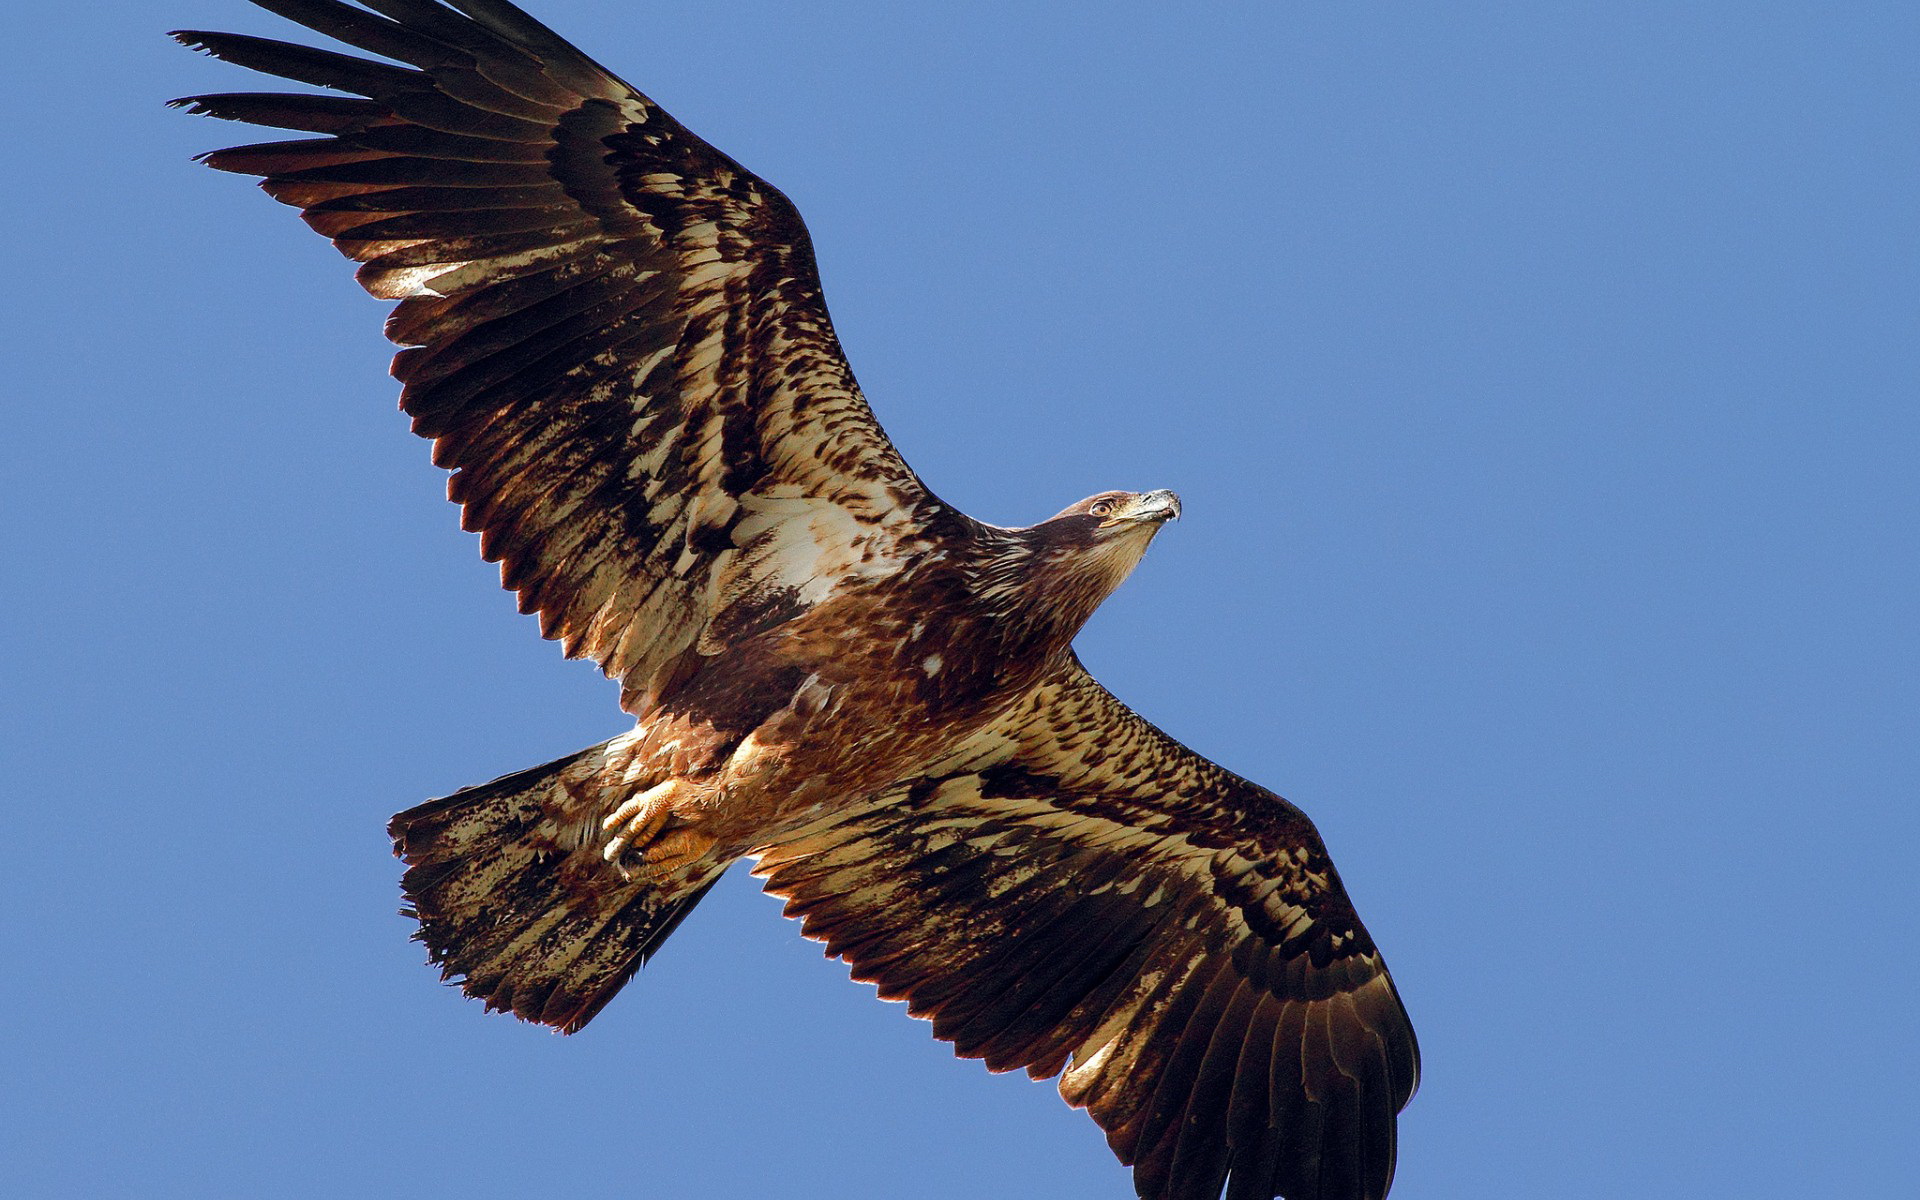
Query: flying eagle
615	337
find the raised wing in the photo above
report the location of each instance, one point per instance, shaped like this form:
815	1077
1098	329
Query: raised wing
1084	896
620	346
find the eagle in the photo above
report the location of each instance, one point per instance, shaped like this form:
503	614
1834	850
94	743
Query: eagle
615	338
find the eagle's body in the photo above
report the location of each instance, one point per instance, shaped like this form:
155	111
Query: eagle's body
617	342
880	681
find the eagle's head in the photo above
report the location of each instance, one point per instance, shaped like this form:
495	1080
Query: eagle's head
1048	578
1083	553
1113	515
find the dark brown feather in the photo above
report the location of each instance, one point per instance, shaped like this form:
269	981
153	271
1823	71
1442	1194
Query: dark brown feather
280	110
302	64
362	30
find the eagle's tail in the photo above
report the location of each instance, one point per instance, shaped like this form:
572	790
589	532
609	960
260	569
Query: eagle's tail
517	903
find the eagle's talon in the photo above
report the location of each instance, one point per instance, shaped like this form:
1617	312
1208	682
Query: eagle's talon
639	825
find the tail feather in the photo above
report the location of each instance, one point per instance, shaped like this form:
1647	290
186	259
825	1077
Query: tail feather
515	902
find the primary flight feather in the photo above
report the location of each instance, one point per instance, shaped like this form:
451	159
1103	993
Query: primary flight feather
615	338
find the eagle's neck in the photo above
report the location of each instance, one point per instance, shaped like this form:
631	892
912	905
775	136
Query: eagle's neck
1038	586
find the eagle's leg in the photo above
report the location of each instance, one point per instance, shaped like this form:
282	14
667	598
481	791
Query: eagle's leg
640	825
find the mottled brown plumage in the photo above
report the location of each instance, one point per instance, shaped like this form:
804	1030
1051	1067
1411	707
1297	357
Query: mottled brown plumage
616	340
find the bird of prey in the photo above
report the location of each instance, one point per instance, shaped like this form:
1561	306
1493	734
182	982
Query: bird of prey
615	338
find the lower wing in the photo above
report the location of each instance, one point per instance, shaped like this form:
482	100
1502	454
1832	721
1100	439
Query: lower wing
1084	896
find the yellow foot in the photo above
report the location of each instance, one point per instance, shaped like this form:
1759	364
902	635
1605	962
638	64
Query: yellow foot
676	850
640	825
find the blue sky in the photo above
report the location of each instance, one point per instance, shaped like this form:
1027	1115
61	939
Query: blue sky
1540	380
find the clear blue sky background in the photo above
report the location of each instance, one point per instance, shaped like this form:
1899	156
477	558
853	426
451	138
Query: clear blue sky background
1541	382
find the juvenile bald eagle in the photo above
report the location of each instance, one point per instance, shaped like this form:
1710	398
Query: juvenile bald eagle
616	340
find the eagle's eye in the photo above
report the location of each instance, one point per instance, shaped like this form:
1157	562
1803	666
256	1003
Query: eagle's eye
1101	508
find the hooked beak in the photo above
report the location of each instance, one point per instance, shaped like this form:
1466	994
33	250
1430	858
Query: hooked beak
1157	506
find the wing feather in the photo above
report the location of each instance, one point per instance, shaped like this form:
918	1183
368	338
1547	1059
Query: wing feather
1169	939
614	333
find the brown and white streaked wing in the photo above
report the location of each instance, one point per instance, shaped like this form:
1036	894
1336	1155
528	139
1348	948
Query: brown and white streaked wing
617	336
1086	897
